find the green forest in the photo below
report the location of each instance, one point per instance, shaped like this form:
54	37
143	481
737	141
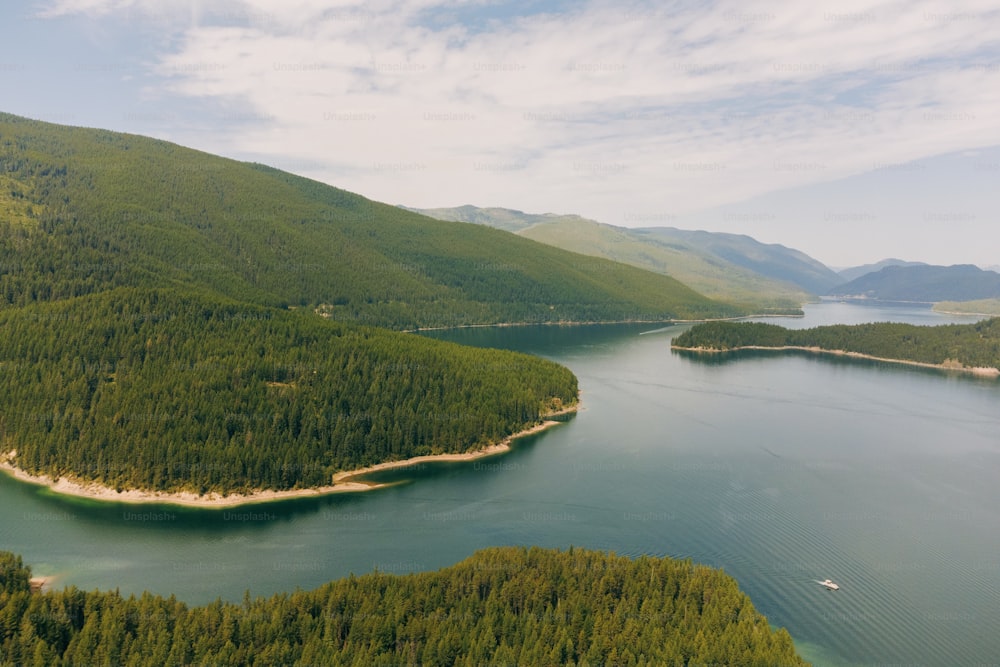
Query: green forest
174	320
84	210
501	606
155	389
969	345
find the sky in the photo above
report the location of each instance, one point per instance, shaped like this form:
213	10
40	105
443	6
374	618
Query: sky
852	131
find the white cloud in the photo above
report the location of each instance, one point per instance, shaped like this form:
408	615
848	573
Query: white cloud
89	7
602	110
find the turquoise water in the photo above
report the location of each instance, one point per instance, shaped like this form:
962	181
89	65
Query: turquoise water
783	470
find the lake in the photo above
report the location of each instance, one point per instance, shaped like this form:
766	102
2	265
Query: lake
783	470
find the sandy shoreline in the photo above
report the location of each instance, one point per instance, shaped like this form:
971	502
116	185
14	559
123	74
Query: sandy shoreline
492	450
343	482
984	371
965	313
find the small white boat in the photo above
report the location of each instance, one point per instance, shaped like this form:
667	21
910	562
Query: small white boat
829	584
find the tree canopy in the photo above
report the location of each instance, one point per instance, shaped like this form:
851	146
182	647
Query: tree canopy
83	210
501	606
161	390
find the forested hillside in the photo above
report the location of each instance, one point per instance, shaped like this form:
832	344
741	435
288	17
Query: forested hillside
502	606
141	388
88	209
970	345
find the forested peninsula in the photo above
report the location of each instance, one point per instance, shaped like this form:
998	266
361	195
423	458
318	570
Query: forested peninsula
501	606
965	347
166	391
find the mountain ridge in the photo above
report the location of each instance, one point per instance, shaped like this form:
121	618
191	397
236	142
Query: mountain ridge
853	272
773	260
924	283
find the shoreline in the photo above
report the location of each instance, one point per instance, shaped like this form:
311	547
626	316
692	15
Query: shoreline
570	323
965	314
343	482
983	371
501	447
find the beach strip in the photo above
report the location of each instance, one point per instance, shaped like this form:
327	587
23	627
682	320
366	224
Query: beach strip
343	482
985	371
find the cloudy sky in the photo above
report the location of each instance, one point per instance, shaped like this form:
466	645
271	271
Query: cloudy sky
853	131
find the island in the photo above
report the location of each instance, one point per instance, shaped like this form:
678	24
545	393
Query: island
501	606
970	348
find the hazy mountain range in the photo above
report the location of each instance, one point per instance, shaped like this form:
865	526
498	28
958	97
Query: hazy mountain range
925	283
849	274
728	267
735	267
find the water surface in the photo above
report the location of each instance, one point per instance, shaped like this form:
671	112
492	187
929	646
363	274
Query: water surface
783	470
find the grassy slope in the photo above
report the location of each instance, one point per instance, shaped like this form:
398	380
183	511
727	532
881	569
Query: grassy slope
980	307
709	275
704	271
506	219
768	259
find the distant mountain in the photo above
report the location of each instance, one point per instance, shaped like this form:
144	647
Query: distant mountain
994	267
857	271
961	282
772	260
700	269
507	219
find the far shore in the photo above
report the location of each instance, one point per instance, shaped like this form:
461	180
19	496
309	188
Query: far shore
343	482
571	323
965	312
984	371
